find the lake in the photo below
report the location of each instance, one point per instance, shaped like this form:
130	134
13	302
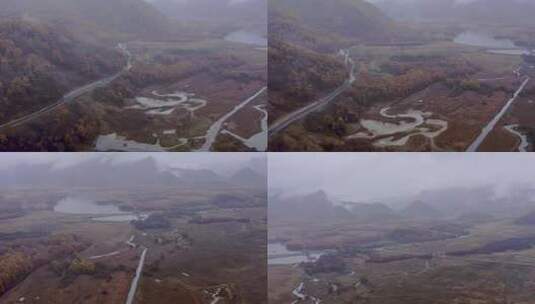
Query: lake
82	205
278	254
493	45
86	206
247	37
482	39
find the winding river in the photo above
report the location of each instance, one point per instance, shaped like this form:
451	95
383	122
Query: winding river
383	132
166	104
524	143
299	293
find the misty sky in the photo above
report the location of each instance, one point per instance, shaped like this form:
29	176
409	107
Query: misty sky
223	163
365	177
408	1
184	1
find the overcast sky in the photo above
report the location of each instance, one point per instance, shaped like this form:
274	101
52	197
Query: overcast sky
219	162
365	177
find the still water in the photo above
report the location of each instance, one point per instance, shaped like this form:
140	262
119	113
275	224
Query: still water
247	37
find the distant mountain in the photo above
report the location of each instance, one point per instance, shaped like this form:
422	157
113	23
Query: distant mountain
93	19
510	12
528	219
454	202
249	178
375	211
215	11
103	172
420	210
203	175
95	172
475	217
311	207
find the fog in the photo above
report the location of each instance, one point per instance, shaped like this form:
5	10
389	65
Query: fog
222	163
186	1
456	1
365	177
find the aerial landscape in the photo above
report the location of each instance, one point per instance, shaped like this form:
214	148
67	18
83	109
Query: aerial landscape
434	233
401	75
133	75
133	228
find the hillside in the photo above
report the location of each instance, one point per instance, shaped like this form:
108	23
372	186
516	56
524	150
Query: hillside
95	20
305	37
39	64
348	19
298	75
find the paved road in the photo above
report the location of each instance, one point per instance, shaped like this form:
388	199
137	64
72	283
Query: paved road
490	126
72	95
135	282
318	105
215	128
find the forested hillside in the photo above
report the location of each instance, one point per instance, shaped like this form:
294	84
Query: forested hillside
305	37
38	64
349	19
95	20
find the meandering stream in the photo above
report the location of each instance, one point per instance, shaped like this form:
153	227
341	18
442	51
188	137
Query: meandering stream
298	292
383	133
166	104
524	143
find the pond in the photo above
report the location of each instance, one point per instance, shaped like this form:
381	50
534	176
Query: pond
482	39
82	205
85	206
278	254
493	45
247	37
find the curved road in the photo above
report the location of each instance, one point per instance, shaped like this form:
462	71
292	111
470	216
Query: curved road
72	95
318	105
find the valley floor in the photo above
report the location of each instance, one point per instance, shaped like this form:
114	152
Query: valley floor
440	271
